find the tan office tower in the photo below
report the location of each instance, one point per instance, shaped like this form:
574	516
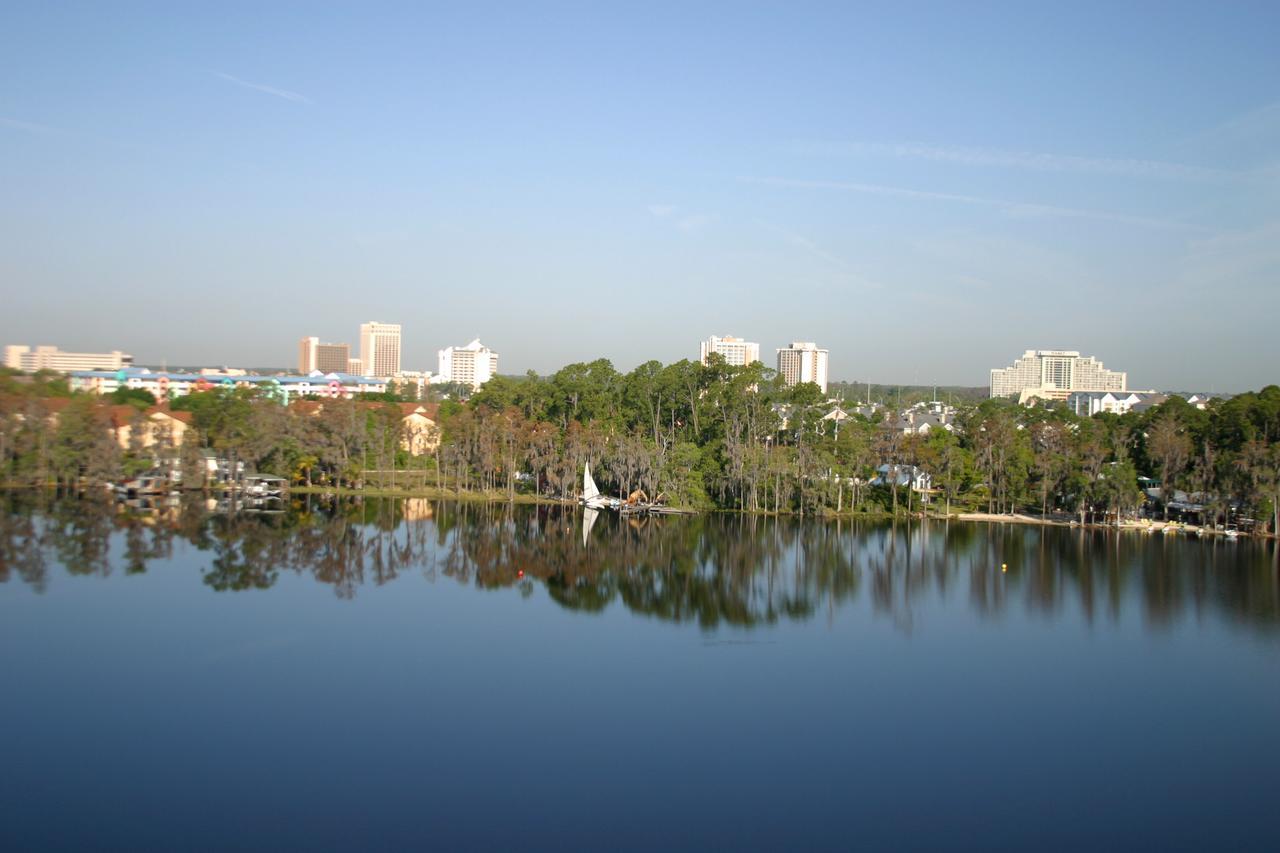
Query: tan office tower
307	355
333	358
380	348
326	358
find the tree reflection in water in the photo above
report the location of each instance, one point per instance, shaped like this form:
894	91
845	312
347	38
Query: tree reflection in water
714	570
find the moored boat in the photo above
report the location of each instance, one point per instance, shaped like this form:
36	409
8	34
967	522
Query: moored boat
591	497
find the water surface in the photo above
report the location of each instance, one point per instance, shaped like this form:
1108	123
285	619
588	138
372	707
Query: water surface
417	673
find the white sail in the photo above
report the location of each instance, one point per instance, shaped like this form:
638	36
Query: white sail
591	496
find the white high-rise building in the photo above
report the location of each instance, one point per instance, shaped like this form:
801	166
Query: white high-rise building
380	348
735	351
51	358
803	362
1054	375
473	364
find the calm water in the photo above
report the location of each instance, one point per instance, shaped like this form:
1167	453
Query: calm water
383	674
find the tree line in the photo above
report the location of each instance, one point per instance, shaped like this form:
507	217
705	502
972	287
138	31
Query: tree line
707	436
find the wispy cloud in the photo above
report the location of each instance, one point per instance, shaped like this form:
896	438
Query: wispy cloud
1242	259
1014	208
686	222
74	136
811	247
1026	160
1260	121
26	126
695	222
986	261
270	90
1250	140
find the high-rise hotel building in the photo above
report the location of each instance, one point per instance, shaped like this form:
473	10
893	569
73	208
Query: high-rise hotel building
803	362
1053	375
473	364
735	351
380	348
326	358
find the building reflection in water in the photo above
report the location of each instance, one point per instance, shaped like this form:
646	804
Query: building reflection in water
716	569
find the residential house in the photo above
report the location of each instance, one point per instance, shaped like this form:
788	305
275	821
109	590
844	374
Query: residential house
837	414
904	475
158	425
1201	401
920	421
1086	404
419	420
421	429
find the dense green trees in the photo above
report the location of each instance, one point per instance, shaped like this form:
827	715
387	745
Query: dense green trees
736	438
41	384
710	435
137	397
81	445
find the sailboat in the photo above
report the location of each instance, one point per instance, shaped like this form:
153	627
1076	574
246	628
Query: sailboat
591	497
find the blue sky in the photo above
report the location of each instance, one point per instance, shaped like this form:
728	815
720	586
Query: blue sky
925	189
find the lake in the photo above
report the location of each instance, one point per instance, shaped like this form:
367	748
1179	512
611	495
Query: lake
420	674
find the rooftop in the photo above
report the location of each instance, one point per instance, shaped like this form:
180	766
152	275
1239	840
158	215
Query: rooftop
312	378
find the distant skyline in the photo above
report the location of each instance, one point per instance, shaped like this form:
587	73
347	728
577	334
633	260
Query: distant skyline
926	192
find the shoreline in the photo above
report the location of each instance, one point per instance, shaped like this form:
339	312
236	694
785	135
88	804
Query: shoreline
1147	526
432	493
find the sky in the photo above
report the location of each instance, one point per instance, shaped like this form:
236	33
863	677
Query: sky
927	190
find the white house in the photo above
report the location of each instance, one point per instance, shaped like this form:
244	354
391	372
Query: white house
903	475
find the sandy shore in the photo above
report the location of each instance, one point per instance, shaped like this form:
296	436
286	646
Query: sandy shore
1141	526
1015	518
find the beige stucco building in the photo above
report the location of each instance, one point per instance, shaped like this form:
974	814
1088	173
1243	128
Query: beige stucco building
420	431
326	358
803	362
380	348
1054	375
733	350
156	425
